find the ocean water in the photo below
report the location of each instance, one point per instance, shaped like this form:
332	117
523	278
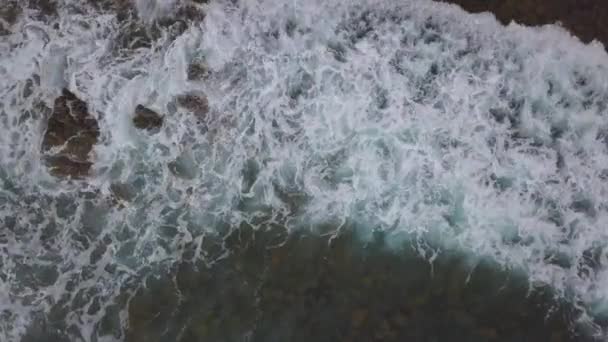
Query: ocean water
455	139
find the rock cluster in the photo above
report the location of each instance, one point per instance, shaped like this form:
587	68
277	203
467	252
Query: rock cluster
69	137
146	118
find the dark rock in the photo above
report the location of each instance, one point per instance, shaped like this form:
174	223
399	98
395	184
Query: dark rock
197	71
124	9
338	51
132	36
69	138
63	166
147	314
28	88
557	131
499	114
122	193
135	34
4	31
10	11
195	102
304	287
190	12
182	17
583	205
584	18
146	118
602	136
290	27
45	8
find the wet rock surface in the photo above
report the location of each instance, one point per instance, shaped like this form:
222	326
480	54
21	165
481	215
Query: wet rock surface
145	118
69	137
197	70
188	12
136	34
45	8
9	12
132	36
123	8
195	102
122	193
584	18
264	285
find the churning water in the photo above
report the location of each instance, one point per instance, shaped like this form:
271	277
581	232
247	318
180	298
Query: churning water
443	131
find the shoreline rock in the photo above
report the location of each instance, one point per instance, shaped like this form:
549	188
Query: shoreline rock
73	131
583	18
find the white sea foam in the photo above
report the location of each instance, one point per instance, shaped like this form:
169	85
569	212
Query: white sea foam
406	116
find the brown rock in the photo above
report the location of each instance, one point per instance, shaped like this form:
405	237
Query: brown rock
73	131
197	71
190	12
195	102
64	166
146	118
135	34
10	11
584	18
358	317
183	14
44	7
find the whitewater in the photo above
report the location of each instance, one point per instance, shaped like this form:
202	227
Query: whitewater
444	130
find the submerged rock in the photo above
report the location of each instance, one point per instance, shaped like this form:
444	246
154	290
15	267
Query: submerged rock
69	138
195	102
45	8
190	12
184	166
132	36
121	193
265	285
197	71
142	26
146	118
123	8
9	12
